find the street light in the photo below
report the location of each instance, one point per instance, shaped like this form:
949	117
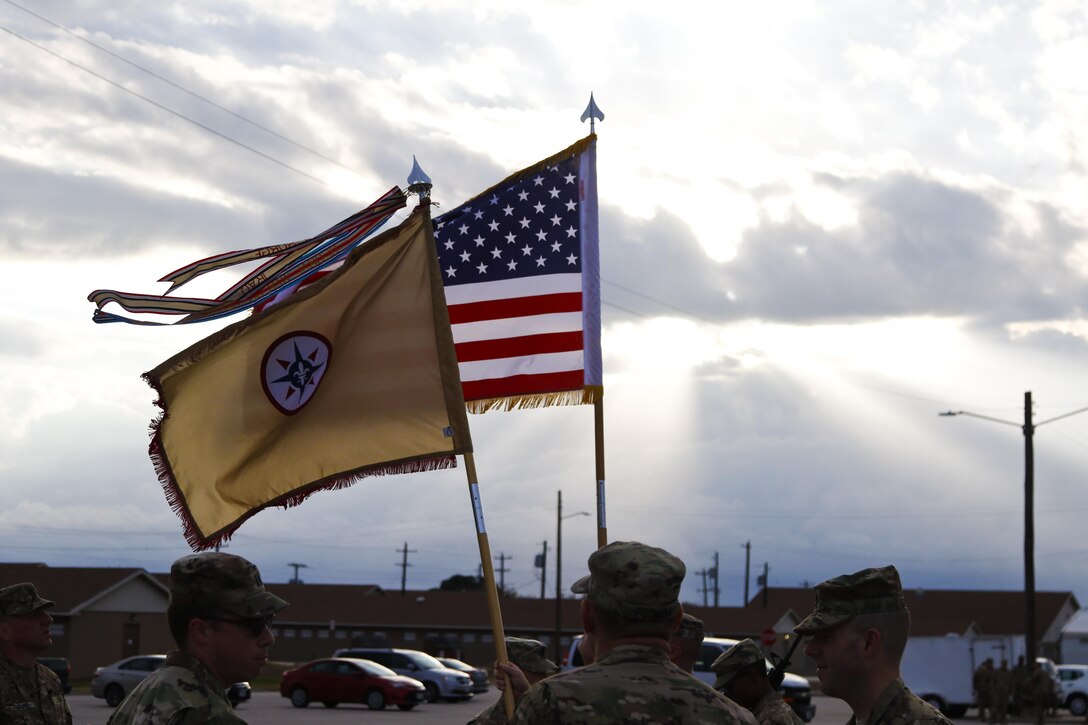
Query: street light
559	573
1028	427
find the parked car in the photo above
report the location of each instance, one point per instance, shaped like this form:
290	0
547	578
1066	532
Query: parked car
114	682
795	689
478	675
238	693
441	682
1073	680
60	666
343	679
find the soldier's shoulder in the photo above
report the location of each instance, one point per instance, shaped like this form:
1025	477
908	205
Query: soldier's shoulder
915	709
47	675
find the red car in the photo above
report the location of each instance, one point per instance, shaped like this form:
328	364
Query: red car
344	679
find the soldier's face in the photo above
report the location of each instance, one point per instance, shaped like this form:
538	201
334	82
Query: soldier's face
238	652
838	656
27	632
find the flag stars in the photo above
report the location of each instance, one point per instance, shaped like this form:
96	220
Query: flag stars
556	246
512	265
569	178
481	268
572	259
540	261
510	238
526	250
542	235
496	252
539	208
451	271
479	214
465	256
494	200
554	192
463	229
448	243
508	210
555	220
523	195
538	181
570	205
480	240
524	222
571	232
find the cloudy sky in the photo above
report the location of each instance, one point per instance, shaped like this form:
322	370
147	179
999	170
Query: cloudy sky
821	224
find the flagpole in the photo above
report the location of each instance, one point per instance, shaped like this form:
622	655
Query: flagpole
493	610
598	435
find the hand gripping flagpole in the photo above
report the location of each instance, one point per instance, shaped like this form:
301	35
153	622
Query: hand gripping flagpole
419	183
592	112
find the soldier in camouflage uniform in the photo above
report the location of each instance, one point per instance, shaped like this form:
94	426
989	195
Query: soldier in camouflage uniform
1000	691
219	615
859	631
983	683
742	676
632	608
686	643
30	693
530	657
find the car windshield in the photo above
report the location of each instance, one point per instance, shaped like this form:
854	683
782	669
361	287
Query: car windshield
455	664
424	661
373	668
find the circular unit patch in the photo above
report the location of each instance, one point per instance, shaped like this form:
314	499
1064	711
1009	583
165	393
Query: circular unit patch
293	368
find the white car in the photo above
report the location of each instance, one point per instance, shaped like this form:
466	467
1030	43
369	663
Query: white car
115	681
1073	681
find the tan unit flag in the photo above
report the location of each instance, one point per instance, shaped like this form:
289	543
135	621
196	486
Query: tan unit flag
354	376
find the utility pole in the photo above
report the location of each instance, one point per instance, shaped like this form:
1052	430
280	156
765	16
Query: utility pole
702	573
1028	427
502	572
717	588
404	566
559	572
747	564
542	564
766	578
295	579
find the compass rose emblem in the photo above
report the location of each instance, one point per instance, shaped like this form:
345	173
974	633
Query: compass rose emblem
293	368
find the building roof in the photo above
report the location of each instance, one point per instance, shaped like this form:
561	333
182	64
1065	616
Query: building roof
73	587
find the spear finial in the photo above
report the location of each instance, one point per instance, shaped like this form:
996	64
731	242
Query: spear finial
592	112
418	181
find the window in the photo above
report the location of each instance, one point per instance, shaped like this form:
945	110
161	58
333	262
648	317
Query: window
289	633
409	636
56	629
341	634
322	634
323	667
306	633
469	637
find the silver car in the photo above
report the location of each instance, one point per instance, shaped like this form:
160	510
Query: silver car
115	681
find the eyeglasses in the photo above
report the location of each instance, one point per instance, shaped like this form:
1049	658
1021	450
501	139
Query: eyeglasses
254	625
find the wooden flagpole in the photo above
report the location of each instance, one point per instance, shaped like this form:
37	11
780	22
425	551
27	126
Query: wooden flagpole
598	435
493	610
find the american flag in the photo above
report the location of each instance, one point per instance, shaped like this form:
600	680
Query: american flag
522	278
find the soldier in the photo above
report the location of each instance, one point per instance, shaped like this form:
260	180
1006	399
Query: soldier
686	642
529	655
742	676
983	682
859	630
632	607
30	693
1020	673
1000	691
219	615
1038	689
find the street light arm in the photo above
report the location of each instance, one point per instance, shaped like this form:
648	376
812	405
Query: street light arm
950	413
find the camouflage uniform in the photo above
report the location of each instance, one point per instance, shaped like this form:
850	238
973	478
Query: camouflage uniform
529	655
632	682
870	591
184	691
770	709
900	706
1000	690
983	683
28	695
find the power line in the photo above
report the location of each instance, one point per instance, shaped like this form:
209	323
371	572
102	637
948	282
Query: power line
158	105
183	89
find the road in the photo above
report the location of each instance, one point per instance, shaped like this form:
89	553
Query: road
268	708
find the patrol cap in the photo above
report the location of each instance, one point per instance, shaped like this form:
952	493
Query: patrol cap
21	599
838	600
225	582
633	580
734	660
690	628
528	654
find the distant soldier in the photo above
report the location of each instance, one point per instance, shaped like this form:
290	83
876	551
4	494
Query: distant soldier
632	608
30	693
1001	690
859	630
1039	689
983	683
530	657
742	676
686	642
220	616
1020	673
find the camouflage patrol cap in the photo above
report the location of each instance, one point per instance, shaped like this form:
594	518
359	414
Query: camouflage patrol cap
633	580
224	582
690	628
529	655
21	599
734	660
839	600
